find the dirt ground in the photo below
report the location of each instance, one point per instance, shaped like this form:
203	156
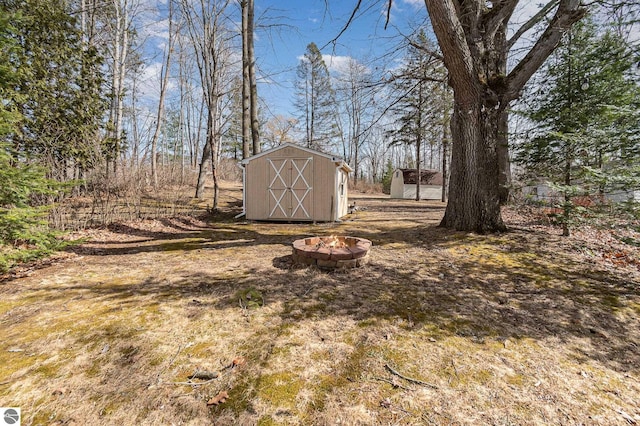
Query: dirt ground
441	327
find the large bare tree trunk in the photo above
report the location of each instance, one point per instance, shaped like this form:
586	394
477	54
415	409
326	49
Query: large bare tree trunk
474	201
473	38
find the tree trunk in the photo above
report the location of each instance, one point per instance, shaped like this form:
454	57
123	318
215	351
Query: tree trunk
246	85
253	87
202	170
504	162
445	153
473	38
474	196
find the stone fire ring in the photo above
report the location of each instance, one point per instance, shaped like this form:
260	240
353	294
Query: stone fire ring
353	253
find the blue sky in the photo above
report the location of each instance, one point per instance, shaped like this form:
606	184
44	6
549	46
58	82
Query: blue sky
278	49
286	27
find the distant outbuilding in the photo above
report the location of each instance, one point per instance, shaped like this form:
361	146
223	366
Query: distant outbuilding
294	183
404	183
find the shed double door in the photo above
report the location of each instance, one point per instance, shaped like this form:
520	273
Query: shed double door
290	188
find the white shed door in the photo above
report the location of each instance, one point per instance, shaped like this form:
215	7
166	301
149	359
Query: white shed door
290	187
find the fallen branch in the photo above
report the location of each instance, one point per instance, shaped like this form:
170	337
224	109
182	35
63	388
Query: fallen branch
192	383
392	383
204	375
409	379
169	365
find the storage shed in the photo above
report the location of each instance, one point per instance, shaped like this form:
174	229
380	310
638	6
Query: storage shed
293	183
404	182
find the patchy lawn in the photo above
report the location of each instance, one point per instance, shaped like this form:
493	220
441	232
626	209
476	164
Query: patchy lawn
440	327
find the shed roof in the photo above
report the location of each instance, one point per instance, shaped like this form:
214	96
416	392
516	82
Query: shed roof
427	177
339	161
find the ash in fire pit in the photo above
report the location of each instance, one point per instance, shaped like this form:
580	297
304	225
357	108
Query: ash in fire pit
331	252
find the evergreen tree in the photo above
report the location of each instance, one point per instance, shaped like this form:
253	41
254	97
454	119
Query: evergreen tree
59	88
585	115
19	182
315	100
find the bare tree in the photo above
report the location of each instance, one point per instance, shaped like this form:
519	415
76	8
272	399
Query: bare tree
354	92
210	38
121	27
164	82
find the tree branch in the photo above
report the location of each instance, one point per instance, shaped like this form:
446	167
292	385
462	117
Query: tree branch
569	12
531	23
455	50
388	14
351	18
499	14
431	52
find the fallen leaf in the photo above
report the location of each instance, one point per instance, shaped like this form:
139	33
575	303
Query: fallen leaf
238	361
220	398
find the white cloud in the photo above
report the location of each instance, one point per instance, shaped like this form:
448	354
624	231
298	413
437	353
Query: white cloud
149	82
414	3
159	29
338	64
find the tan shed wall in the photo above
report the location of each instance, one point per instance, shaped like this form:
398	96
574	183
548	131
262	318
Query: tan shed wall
257	180
427	192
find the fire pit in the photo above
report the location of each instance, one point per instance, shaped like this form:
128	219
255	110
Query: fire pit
331	252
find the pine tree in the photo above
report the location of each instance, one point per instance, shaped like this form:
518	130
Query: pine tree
20	222
316	100
60	89
585	115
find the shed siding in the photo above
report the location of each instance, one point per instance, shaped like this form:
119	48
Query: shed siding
320	174
402	190
427	192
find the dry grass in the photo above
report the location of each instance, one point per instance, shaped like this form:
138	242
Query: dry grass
519	328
